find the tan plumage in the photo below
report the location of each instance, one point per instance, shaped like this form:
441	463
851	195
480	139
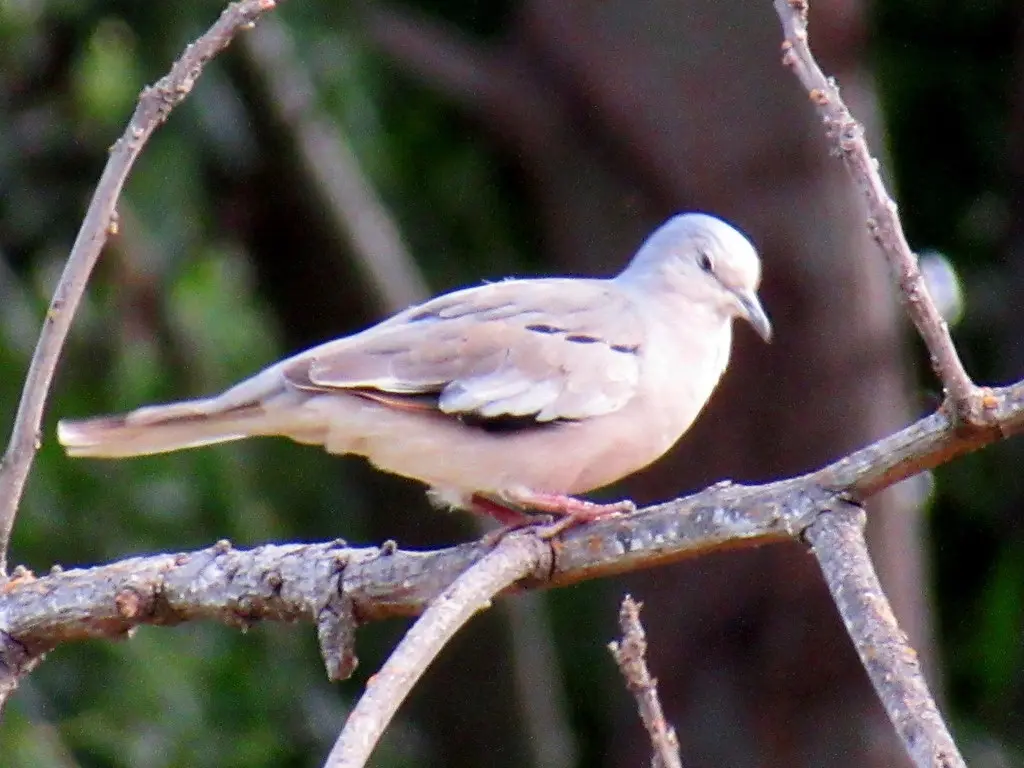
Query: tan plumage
506	390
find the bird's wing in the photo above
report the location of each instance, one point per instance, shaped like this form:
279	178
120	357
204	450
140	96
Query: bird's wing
545	350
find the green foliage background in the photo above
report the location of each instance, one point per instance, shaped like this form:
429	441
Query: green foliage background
199	695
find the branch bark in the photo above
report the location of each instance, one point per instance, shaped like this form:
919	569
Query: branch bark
290	582
330	584
837	540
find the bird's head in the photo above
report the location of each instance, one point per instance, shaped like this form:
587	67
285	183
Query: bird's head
700	258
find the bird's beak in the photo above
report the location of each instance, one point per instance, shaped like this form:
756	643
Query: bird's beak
755	314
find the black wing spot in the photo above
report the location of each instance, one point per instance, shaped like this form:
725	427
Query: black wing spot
544	328
626	349
423	314
506	424
582	338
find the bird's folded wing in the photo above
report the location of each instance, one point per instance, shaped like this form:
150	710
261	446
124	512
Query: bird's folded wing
543	349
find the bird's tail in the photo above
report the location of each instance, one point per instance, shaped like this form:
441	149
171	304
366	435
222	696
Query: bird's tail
160	429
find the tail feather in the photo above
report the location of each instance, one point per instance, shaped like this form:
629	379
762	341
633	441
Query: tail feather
159	429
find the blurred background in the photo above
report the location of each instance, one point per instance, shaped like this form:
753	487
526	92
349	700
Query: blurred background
346	159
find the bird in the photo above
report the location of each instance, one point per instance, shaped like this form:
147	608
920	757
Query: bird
510	398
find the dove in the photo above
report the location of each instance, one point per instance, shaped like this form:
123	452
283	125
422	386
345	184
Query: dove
507	398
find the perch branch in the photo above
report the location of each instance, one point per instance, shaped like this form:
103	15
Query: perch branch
289	582
837	540
155	104
330	585
847	137
631	655
515	557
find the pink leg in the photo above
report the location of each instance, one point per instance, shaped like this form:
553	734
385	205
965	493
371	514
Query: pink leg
514	508
569	506
571	510
506	515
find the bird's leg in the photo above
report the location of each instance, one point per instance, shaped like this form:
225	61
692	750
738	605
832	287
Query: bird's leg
513	510
562	505
509	516
570	510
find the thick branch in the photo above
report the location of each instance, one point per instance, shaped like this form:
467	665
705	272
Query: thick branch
332	585
847	137
231	586
837	540
155	104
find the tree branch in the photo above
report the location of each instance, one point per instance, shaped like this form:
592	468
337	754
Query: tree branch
847	137
516	556
15	663
837	540
155	104
631	655
290	582
330	584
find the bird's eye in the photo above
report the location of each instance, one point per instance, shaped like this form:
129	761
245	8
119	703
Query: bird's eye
704	262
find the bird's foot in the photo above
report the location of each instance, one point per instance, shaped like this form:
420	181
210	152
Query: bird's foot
514	508
509	516
568	506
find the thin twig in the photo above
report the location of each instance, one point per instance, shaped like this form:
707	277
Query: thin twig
515	557
155	104
631	656
837	540
847	137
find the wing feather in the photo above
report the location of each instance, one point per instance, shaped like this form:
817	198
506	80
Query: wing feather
549	349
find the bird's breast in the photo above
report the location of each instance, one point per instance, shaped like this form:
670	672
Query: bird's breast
681	373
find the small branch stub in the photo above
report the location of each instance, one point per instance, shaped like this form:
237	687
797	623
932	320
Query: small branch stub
517	556
630	654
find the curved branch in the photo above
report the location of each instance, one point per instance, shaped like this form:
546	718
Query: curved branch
155	104
516	556
331	585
